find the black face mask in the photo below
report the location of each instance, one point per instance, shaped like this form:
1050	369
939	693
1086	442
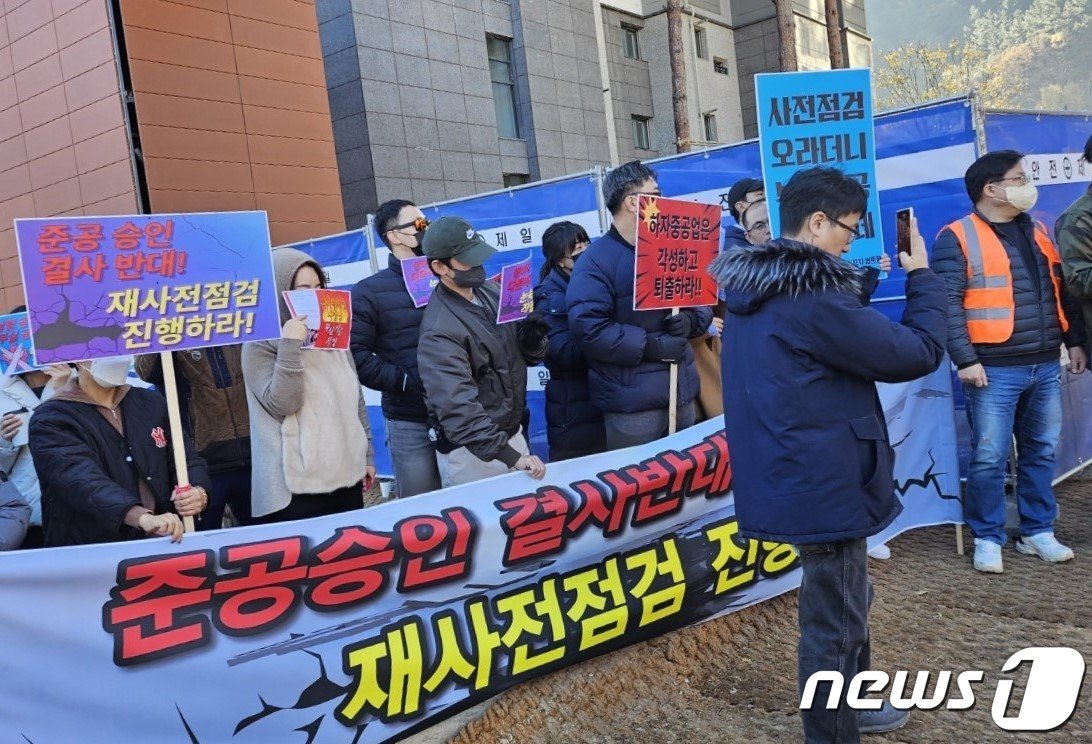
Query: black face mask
470	278
419	250
569	272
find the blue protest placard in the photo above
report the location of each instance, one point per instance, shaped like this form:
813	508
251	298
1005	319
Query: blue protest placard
16	352
135	284
824	118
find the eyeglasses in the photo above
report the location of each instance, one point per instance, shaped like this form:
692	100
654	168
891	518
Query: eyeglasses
645	193
853	232
1022	179
758	226
418	224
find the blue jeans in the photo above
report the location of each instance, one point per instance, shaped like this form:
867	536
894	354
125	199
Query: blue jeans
835	595
413	458
1027	400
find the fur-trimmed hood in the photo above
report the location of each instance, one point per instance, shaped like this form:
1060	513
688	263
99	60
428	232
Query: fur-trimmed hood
751	276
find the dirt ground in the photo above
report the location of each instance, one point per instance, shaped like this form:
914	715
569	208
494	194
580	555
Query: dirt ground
733	679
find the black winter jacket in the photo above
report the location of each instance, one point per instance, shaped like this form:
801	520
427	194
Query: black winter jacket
574	426
385	331
1037	331
90	473
213	402
613	335
474	372
811	461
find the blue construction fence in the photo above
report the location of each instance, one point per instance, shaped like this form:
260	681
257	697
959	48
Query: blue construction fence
922	154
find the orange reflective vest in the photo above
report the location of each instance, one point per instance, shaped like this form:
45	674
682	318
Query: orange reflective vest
988	300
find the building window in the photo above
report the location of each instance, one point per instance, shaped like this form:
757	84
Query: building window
640	133
720	66
504	85
700	44
631	44
710	121
515	179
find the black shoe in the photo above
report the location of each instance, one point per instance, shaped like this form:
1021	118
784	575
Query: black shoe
887	718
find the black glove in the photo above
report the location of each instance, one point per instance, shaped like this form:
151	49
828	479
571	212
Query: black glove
681	325
665	349
531	334
870	279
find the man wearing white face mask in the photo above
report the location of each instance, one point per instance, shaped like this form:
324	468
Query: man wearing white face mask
1008	316
104	460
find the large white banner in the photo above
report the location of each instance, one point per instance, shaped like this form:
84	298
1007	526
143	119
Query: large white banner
364	626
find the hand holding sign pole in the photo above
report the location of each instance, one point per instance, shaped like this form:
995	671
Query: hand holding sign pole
676	242
673	398
174	415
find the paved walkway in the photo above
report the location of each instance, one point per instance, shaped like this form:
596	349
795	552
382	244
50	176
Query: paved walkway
733	679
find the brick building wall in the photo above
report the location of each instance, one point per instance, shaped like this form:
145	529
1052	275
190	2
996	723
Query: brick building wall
63	143
232	112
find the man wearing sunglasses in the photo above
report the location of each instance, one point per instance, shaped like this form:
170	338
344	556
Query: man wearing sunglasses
1008	316
629	351
385	332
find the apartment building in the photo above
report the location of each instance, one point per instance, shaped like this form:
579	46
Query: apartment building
439	99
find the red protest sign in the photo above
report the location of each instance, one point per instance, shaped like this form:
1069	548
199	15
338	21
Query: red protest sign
676	242
329	316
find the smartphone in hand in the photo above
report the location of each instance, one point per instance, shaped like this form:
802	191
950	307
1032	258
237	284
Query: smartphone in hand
904	219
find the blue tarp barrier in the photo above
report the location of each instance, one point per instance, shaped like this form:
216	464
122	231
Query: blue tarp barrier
923	154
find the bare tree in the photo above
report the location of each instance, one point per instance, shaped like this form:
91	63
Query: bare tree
678	74
786	34
834	34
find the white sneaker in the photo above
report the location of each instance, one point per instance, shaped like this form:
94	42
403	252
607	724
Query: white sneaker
881	552
1045	546
987	556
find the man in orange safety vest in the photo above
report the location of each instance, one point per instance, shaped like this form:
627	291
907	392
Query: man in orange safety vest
1008	317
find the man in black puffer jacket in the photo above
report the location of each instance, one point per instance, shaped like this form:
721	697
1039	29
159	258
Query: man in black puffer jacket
630	352
1008	316
385	331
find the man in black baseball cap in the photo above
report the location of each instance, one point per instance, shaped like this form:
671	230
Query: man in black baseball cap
455	238
474	370
744	192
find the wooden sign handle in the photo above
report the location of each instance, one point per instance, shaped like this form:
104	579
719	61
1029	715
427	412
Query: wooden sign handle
174	414
673	393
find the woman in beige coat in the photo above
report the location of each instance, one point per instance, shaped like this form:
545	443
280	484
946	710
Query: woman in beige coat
310	438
